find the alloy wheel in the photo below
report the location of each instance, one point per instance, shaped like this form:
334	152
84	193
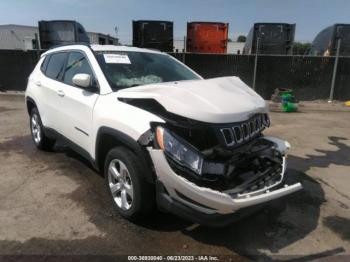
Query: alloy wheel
120	184
36	129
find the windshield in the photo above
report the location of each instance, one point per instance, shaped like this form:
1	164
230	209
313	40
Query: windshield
128	69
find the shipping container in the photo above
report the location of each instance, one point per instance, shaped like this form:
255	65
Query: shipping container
271	38
153	34
325	43
58	32
207	37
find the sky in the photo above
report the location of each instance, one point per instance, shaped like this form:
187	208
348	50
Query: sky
103	16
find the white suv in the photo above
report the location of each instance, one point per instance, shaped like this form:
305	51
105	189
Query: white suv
161	134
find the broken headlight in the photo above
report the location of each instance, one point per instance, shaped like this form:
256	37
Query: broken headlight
179	150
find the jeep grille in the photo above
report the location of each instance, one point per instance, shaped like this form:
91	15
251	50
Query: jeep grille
240	133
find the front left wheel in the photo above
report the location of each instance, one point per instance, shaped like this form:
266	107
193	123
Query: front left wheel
40	140
132	196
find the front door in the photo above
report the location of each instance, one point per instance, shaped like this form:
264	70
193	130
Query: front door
78	103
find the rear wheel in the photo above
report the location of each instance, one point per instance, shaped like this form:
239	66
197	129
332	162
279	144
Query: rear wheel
40	140
132	196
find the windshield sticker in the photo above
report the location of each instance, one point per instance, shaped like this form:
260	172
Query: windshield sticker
116	59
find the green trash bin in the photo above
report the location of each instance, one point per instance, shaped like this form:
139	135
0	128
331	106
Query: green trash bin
288	104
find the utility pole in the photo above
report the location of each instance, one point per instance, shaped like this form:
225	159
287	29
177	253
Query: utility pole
37	46
185	50
331	95
116	34
256	62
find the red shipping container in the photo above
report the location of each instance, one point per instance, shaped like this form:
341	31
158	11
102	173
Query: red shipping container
207	37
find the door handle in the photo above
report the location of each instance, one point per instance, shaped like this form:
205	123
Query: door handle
37	83
60	93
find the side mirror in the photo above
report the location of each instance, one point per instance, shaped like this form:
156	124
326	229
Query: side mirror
82	80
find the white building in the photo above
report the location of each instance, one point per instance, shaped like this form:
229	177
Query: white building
23	37
232	47
179	45
18	37
102	39
235	47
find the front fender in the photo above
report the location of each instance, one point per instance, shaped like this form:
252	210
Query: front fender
122	139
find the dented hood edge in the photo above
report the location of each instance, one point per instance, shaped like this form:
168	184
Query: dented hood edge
216	100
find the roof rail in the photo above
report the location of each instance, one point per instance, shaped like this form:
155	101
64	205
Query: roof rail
77	43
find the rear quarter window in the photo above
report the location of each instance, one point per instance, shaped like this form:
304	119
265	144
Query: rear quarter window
55	65
44	64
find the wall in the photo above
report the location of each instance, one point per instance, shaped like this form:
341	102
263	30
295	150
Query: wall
15	67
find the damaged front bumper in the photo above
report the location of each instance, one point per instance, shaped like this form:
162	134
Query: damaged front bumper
177	193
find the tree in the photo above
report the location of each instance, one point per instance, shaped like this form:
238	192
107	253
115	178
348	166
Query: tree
241	38
301	48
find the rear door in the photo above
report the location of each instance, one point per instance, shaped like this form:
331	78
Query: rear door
52	69
77	103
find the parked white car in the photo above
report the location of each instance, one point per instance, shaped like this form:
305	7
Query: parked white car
161	134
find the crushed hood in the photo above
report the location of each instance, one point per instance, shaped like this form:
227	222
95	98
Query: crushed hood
216	100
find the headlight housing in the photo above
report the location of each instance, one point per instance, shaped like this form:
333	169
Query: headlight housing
180	151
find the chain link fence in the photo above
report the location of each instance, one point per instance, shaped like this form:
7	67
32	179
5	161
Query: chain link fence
309	76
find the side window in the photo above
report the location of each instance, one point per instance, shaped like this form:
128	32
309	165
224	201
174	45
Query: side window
55	65
77	64
44	64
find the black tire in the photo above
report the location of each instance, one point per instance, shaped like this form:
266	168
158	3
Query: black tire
43	143
143	202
